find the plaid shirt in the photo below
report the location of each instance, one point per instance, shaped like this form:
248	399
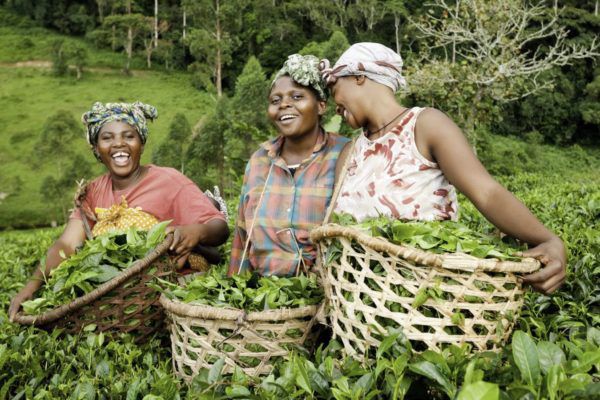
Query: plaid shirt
291	206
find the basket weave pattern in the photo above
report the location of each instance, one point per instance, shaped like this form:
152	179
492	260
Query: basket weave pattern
201	335
363	304
123	304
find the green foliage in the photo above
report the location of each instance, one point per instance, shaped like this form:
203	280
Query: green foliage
30	96
562	327
171	152
249	124
59	130
248	291
331	49
435	236
206	149
59	59
100	260
590	106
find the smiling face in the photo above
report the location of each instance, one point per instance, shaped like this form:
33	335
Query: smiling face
348	97
119	147
294	109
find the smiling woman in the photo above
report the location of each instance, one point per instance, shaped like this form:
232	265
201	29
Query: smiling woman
117	133
288	181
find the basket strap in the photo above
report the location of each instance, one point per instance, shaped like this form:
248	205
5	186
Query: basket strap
249	232
338	186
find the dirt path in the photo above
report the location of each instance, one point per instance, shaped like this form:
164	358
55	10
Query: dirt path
48	64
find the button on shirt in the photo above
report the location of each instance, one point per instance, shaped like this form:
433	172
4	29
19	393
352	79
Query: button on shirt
291	205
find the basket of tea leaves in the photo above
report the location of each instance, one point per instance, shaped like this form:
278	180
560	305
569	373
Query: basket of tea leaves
439	282
104	286
245	321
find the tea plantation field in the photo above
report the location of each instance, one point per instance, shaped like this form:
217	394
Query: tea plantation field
553	354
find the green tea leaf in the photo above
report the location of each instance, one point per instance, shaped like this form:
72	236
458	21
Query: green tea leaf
526	357
479	391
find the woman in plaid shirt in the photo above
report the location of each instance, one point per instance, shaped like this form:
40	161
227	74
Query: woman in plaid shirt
288	181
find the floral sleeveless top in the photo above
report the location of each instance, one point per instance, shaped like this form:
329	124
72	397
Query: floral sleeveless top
388	176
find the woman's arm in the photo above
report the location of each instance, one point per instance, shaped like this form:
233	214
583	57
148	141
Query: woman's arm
71	238
440	140
186	237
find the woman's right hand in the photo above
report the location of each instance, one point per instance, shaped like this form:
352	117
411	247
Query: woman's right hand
15	304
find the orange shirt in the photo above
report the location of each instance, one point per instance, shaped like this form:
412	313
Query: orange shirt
164	192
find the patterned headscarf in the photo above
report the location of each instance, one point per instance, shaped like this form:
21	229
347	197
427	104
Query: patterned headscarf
373	60
304	71
135	114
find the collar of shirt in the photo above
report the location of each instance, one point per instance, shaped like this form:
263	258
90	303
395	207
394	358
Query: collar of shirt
273	147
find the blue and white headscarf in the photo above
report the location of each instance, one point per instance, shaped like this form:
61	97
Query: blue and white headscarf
135	114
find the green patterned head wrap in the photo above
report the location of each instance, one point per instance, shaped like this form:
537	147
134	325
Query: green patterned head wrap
135	114
304	70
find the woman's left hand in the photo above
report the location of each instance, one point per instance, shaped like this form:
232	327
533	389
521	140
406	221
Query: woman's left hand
552	255
185	237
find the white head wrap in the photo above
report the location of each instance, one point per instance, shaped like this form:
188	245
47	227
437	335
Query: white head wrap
373	60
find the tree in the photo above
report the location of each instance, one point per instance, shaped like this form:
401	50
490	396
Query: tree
171	152
150	38
78	55
250	125
331	49
59	132
59	60
127	27
398	10
207	148
492	52
590	107
211	40
60	191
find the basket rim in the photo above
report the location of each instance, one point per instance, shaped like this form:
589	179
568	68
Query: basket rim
452	261
234	314
136	268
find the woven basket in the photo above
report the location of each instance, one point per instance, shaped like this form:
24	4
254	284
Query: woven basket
485	292
123	304
201	335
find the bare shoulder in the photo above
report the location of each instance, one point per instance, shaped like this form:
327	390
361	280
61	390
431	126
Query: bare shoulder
434	121
434	130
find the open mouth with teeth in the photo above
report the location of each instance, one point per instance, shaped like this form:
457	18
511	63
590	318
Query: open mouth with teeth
287	118
121	158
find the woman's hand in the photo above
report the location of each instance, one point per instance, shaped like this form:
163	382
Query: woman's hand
185	237
26	293
552	255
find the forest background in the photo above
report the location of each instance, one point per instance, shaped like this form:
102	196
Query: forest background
520	78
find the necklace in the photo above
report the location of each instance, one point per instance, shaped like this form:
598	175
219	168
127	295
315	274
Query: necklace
369	133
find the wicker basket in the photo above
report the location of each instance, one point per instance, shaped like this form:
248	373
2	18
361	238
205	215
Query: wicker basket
201	335
482	296
123	304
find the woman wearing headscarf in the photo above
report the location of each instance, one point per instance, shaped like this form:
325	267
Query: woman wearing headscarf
288	181
407	162
131	194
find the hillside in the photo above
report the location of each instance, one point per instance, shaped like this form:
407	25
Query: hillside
30	94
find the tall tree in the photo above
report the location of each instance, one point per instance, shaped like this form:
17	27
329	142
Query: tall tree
171	152
207	148
212	40
502	50
250	125
127	27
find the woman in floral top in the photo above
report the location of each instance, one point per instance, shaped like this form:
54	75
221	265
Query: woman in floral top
408	161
